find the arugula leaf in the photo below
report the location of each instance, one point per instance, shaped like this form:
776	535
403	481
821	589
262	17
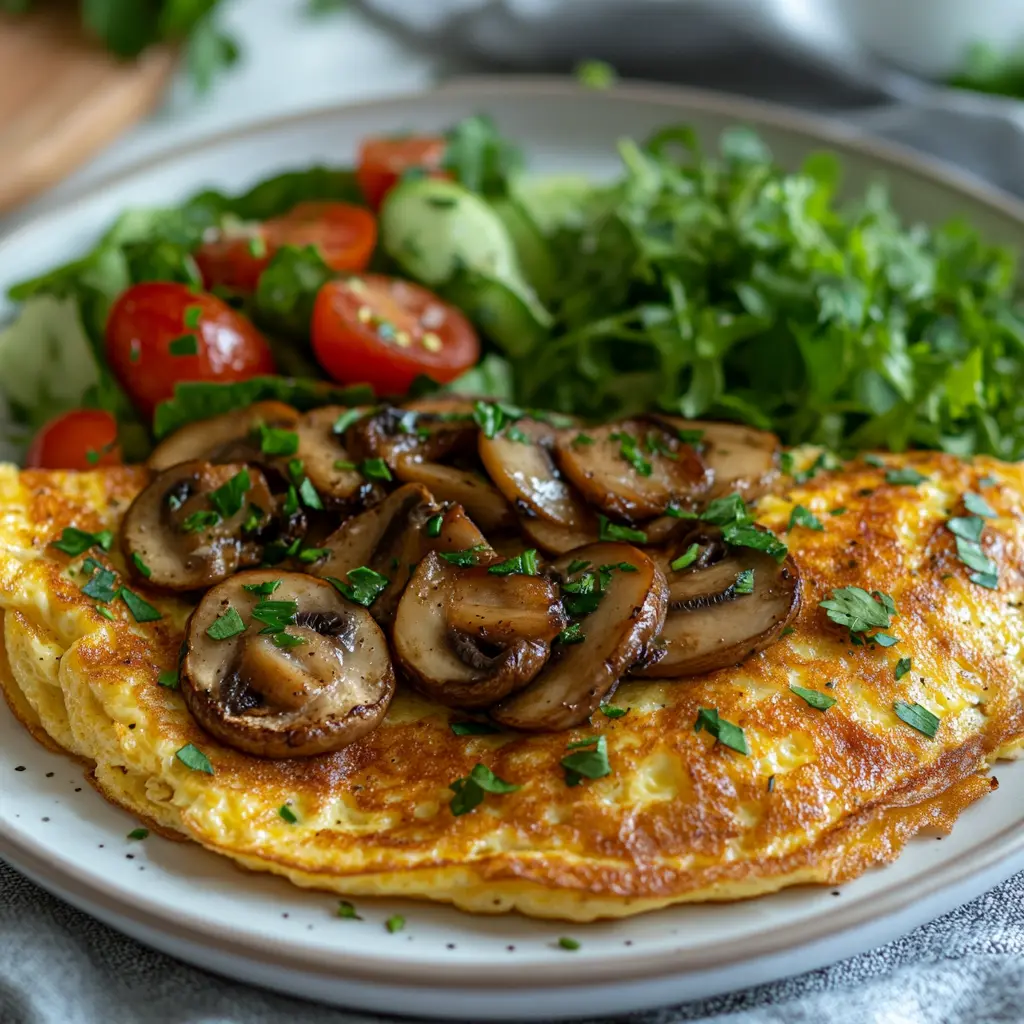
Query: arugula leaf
481	158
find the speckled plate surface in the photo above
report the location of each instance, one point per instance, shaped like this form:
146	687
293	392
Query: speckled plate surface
445	964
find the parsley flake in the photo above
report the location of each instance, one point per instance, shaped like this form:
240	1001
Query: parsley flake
309	495
572	634
817	699
364	585
523	564
744	582
903	666
395	923
473	728
433	527
102	585
612	711
142	610
978	505
469	791
801	516
687	558
169	679
858	610
140	565
347	911
905	477
287	814
726	733
264	588
138	833
225	626
76	542
192	757
191	316
186	345
565	942
613	531
275	441
588	760
917	717
375	469
346	419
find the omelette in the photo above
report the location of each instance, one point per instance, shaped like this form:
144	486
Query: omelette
807	759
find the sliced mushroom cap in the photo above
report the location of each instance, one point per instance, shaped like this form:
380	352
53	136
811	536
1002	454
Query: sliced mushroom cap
227	438
468	638
742	459
391	433
555	539
290	700
392	537
480	498
184	539
632	470
579	676
711	624
328	464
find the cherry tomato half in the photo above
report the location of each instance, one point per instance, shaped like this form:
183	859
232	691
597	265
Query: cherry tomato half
383	161
385	332
81	439
344	234
161	332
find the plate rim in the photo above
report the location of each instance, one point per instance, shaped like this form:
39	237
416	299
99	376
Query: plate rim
618	967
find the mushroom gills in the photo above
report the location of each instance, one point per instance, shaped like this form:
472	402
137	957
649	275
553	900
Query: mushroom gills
468	638
630	612
316	684
392	537
174	529
712	625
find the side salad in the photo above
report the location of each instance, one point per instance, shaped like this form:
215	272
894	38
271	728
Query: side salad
713	285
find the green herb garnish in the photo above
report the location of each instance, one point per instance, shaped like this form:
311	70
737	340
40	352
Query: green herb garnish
225	626
917	717
801	516
524	563
192	757
588	760
908	476
375	469
363	586
142	611
347	911
687	558
469	791
903	666
817	699
726	733
76	542
433	527
473	728
613	531
169	679
287	814
858	610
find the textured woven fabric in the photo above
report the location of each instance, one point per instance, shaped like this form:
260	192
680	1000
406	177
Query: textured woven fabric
58	966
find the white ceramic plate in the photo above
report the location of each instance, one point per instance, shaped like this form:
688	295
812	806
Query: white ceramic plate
445	964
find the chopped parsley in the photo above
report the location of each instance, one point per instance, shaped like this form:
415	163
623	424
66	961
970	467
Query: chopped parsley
104	611
169	679
884	639
264	588
192	757
917	717
524	564
138	833
874	460
576	565
309	495
858	610
903	666
582	439
473	728
310	555
837	511
588	760
469	791
513	433
905	477
731	514
726	733
191	317
490	417
687	558
186	345
286	639
275	441
572	634
76	542
375	469
744	582
225	626
690	437
801	516
395	923
257	247
629	451
978	505
144	570
347	911
817	699
194	522
968	527
229	498
565	942
346	464
102	585
275	615
433	527
465	558
612	711
346	419
363	586
253	518
613	531
142	611
287	814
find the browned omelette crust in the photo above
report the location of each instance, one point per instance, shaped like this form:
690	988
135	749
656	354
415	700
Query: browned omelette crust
680	817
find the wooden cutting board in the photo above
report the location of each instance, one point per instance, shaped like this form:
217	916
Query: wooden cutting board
63	97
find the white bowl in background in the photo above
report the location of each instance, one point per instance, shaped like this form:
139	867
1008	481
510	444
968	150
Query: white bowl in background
928	37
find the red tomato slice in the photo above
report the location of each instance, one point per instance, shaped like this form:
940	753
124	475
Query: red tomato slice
386	332
161	332
383	161
81	439
344	234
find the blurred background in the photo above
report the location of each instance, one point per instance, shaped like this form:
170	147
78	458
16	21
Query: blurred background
90	86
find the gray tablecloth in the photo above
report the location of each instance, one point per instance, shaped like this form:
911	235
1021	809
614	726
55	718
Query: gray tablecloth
58	966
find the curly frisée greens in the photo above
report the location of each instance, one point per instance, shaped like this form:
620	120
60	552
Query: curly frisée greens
703	284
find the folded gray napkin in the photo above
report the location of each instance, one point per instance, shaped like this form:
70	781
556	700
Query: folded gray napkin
58	966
